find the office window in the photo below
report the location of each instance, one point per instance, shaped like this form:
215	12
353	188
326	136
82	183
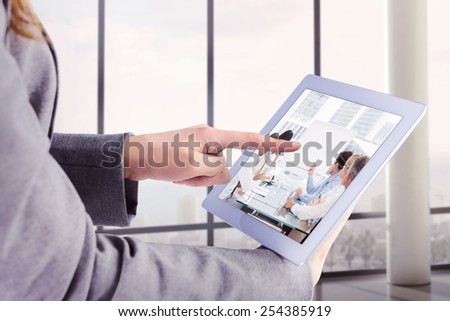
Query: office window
155	80
438	112
263	49
360	246
233	239
440	239
70	25
353	42
351	54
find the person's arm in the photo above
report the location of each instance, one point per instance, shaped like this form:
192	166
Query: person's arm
179	272
310	186
323	188
330	185
94	164
306	212
305	197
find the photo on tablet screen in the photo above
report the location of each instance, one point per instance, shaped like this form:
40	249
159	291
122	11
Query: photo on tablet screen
292	192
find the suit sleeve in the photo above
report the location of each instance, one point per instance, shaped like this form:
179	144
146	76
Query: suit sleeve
94	164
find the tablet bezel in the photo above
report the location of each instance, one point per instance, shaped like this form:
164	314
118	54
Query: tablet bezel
299	253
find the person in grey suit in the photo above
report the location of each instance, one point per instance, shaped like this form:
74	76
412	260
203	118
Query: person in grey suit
54	189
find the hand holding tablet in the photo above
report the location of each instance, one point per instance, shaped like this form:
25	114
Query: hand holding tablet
332	121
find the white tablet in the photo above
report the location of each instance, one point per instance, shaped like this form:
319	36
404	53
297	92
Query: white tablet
291	202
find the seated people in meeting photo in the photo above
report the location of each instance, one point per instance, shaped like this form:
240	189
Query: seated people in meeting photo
322	204
313	190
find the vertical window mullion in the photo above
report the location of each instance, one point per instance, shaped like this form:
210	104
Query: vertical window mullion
317	41
210	97
101	68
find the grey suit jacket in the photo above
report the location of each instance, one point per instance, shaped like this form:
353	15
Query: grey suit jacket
53	191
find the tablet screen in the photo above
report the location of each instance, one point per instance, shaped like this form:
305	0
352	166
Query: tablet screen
292	192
